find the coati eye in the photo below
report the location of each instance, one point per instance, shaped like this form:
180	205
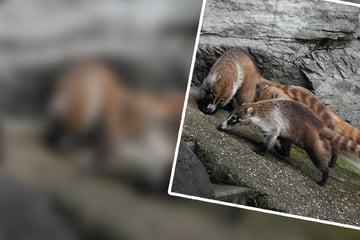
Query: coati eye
211	94
249	111
233	119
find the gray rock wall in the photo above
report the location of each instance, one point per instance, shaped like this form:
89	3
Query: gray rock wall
311	43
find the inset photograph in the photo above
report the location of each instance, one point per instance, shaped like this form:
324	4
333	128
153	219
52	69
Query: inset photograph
271	122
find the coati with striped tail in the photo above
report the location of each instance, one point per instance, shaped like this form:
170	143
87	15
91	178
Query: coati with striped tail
290	121
233	74
304	96
271	90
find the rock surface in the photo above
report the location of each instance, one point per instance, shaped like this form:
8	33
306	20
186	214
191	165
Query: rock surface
284	185
310	43
336	80
190	176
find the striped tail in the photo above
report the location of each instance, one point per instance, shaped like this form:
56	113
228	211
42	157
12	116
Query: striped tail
346	129
344	142
307	98
329	118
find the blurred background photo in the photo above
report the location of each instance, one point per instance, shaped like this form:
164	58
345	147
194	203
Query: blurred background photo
91	101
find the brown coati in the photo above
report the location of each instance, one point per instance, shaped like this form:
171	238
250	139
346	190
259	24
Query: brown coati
290	121
234	73
91	105
306	97
271	90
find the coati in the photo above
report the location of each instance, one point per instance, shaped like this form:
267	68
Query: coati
304	96
90	104
271	90
290	121
234	73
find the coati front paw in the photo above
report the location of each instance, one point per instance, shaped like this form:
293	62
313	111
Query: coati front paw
261	150
324	178
332	162
282	152
321	182
331	165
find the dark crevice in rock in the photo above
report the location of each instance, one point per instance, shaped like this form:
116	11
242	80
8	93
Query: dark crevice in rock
309	85
324	43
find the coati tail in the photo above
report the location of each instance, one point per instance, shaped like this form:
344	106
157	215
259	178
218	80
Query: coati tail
329	118
307	98
346	129
343	141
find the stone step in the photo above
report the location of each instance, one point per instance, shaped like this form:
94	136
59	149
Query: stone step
231	193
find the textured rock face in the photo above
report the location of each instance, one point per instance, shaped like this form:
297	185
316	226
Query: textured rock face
190	176
281	185
293	19
310	43
336	80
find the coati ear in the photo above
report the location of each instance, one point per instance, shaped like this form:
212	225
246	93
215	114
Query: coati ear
261	86
218	77
249	111
205	84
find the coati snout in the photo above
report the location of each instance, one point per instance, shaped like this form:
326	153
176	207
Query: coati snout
206	97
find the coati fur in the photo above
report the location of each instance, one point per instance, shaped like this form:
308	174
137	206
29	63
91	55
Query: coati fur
271	90
233	74
306	97
290	121
92	105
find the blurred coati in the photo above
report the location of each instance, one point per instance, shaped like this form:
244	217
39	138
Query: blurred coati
290	121
91	105
233	74
84	107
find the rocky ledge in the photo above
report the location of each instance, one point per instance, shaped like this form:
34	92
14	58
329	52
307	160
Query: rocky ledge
284	185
